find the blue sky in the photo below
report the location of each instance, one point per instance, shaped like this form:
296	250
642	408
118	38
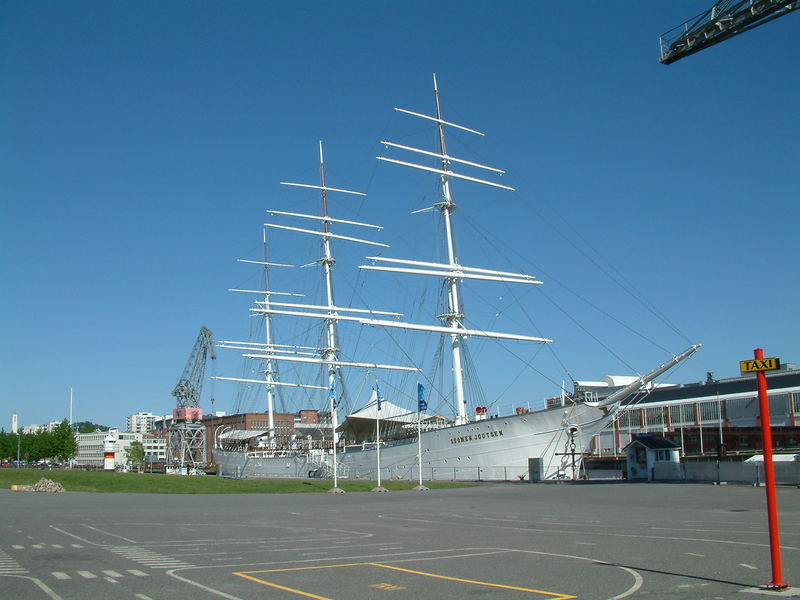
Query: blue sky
142	143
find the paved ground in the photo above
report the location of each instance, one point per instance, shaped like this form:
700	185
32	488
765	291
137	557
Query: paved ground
506	541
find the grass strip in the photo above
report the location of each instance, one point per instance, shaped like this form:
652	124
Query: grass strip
151	483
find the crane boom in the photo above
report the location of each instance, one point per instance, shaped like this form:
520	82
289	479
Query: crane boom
190	384
723	20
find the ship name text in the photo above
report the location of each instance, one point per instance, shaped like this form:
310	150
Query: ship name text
476	436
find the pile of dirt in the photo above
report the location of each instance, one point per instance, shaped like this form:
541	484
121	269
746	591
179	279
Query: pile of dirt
43	485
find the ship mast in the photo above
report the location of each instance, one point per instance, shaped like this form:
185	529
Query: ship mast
327	260
453	316
452	271
269	373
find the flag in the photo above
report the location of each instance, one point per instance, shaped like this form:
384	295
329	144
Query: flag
332	395
378	395
422	405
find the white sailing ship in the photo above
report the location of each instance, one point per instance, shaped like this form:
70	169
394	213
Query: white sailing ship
533	445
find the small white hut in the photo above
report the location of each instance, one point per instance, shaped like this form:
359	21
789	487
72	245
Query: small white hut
645	451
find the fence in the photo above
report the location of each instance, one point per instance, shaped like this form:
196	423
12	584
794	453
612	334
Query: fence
719	471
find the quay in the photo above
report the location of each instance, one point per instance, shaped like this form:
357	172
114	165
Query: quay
587	540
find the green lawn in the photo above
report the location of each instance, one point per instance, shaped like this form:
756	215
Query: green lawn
147	483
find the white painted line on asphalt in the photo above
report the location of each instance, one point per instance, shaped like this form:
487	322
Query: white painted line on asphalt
76	545
586	543
695	554
142	597
619	535
205	588
112	574
41	585
56	546
37	546
110	580
18	547
637	583
61	575
108	533
87	574
746	566
137	572
9	566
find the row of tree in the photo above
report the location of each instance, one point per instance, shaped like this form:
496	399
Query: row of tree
58	445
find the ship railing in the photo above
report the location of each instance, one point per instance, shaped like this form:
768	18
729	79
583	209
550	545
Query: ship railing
272	453
324	469
410	472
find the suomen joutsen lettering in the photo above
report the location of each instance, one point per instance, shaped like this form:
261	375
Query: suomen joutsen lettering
476	436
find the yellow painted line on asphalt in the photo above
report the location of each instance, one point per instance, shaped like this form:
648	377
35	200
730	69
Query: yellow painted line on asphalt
553	595
361	564
282	587
249	575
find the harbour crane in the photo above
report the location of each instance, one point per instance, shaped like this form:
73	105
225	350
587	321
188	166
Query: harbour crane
722	21
186	439
190	384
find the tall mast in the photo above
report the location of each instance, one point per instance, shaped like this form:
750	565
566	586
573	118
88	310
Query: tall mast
451	271
329	352
327	260
453	317
269	373
327	311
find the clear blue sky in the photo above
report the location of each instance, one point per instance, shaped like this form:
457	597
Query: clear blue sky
142	142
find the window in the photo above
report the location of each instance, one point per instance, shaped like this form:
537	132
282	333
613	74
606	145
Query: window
662	455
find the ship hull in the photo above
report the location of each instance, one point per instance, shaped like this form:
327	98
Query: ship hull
492	449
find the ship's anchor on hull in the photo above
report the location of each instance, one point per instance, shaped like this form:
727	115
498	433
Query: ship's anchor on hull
570	450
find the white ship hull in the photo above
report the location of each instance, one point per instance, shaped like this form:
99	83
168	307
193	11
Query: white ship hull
493	449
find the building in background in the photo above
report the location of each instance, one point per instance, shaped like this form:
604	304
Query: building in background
716	417
49	427
142	422
90	447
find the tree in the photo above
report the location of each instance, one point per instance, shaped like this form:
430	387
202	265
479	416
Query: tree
8	446
42	446
135	455
88	427
64	445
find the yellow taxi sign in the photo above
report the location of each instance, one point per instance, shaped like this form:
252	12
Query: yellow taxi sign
759	364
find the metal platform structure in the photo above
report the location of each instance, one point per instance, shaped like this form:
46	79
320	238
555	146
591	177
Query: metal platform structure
722	21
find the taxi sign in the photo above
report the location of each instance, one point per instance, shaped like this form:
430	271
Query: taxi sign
759	364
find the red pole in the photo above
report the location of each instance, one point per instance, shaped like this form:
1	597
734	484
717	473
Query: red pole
769	475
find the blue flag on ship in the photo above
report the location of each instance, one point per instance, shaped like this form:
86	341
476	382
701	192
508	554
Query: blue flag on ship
422	405
378	395
332	395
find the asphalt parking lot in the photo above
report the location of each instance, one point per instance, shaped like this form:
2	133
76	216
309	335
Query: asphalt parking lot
598	541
